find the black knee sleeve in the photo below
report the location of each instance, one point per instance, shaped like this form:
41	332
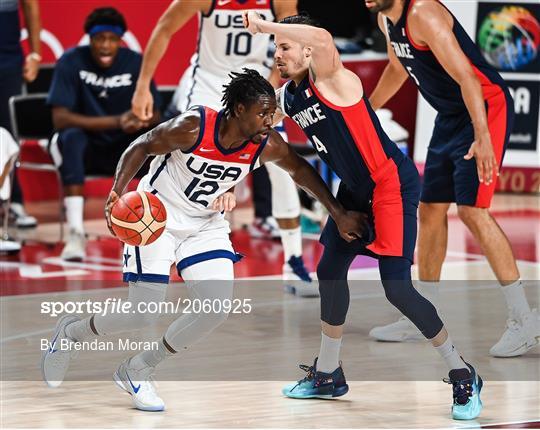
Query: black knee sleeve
396	279
333	287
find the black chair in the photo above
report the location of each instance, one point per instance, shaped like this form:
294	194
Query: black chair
42	83
31	119
166	93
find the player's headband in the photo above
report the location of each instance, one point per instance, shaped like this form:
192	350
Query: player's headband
116	29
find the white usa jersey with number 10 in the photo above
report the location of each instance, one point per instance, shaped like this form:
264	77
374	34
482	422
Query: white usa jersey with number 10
224	46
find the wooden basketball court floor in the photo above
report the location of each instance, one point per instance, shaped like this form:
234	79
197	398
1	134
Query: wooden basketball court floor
233	378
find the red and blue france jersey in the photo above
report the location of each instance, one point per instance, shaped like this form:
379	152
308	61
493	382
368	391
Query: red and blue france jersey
371	167
447	177
439	89
349	139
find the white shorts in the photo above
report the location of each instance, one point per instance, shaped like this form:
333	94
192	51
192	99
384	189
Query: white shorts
186	241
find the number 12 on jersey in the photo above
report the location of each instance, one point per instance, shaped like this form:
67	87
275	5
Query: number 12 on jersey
206	188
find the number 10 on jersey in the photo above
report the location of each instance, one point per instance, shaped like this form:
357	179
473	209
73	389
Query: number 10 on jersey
238	43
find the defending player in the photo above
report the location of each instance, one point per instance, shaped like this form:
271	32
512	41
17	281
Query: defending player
475	117
224	46
200	155
327	101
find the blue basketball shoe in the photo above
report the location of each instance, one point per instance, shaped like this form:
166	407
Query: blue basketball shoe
466	387
297	279
317	384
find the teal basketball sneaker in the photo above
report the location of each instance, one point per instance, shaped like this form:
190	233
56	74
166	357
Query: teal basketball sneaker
466	387
318	385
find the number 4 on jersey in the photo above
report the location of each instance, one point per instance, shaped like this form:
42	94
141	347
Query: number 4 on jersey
319	146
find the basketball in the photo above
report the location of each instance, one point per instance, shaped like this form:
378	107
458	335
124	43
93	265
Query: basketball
138	218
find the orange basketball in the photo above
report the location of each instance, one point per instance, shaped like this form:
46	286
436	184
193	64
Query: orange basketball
138	218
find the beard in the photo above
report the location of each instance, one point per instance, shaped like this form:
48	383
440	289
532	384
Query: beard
381	6
284	74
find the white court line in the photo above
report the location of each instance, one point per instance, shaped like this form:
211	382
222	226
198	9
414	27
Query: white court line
44	275
494	425
466	255
35	271
57	261
54	294
99	259
29	334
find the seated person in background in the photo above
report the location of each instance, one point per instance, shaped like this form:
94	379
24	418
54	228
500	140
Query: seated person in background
91	96
14	68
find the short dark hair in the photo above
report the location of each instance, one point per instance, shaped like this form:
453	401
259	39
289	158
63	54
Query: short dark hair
303	18
105	16
246	88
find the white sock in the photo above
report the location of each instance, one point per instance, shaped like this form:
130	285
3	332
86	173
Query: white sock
150	358
328	360
451	355
516	299
74	212
80	330
292	242
430	290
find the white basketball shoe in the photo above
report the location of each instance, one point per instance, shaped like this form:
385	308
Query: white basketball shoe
55	360
74	249
139	384
519	336
400	331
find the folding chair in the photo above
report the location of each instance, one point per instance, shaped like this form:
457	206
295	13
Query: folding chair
31	119
42	83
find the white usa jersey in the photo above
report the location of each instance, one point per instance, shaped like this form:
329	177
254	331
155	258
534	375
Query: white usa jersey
224	45
191	180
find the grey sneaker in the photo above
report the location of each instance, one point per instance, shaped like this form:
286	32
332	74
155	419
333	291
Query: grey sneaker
56	358
402	330
519	336
74	247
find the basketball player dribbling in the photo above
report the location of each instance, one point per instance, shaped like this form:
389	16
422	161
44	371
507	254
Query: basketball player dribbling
475	118
223	46
327	101
200	156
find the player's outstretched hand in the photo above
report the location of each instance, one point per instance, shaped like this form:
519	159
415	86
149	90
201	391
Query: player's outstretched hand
486	163
142	104
351	224
111	200
226	202
251	20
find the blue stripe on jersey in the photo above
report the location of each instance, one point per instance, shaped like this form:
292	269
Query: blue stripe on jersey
196	63
221	149
258	153
212	7
138	260
202	126
145	277
205	256
159	169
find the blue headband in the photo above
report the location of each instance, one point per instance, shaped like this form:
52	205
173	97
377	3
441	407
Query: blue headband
116	29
